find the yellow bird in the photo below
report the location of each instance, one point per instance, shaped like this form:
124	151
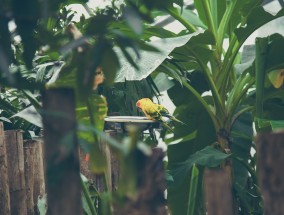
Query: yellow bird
155	111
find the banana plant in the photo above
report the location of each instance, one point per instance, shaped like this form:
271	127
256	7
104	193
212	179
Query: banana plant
219	92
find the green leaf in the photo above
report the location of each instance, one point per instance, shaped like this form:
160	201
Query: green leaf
207	157
276	77
162	82
201	12
110	65
256	19
179	2
31	115
180	170
195	50
148	61
277	125
218	8
242	134
274	57
193	190
93	114
158	32
191	17
240	9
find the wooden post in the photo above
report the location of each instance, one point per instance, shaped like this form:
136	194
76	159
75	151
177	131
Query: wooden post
270	151
151	185
39	178
4	182
29	154
61	152
15	158
218	192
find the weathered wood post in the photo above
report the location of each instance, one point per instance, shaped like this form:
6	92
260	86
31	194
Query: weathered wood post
270	159
4	182
34	174
15	158
61	152
29	153
39	178
218	192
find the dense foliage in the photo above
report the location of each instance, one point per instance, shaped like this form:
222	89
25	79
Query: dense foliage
219	92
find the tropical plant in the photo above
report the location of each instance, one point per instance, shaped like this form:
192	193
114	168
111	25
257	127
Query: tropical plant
219	92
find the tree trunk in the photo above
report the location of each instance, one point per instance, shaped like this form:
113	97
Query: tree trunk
151	186
270	149
4	182
218	192
61	153
15	158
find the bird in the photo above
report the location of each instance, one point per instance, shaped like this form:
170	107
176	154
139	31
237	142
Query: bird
155	112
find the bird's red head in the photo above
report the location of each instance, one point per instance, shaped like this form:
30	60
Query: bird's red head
138	104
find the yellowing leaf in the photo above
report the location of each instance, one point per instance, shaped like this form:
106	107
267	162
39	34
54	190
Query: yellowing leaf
276	77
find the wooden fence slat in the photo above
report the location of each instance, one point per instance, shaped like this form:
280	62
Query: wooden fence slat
39	178
61	152
29	155
270	151
218	192
15	158
4	180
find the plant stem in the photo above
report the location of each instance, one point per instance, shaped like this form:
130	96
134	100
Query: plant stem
237	94
208	15
238	114
217	99
192	191
203	102
223	27
211	26
229	59
174	13
88	198
250	170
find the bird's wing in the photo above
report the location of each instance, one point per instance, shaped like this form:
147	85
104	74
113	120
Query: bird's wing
162	110
152	111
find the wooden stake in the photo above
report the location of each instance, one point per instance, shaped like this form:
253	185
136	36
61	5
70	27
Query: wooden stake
15	158
39	178
218	192
270	151
29	155
61	152
4	181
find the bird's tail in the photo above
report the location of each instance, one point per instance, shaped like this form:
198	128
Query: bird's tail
167	126
175	119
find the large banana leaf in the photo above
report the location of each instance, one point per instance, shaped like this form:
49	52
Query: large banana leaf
148	61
